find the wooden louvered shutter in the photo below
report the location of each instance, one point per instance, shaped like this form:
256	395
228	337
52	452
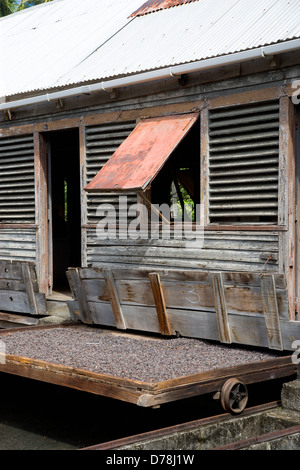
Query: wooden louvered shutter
101	142
17	185
243	163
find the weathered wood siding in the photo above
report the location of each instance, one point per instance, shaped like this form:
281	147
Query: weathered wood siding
18	244
225	251
244	163
243	141
17	191
101	142
17	198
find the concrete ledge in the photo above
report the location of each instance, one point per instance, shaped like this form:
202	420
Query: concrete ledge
290	395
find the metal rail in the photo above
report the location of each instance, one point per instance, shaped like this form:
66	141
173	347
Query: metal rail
261	439
138	438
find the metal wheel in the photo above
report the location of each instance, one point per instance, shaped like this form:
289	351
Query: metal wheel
234	396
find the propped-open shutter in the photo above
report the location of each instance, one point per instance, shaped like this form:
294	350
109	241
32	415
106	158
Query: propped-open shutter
17	186
101	142
243	163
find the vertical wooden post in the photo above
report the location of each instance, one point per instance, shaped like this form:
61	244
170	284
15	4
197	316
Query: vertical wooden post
270	306
41	204
297	216
73	275
83	196
287	175
114	299
162	314
221	308
29	289
204	167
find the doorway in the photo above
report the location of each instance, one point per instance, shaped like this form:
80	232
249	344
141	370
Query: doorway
64	206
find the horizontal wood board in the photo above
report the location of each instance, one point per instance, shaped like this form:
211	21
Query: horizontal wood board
19	292
249	251
231	307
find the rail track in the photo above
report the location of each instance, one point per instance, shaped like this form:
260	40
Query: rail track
153	438
50	417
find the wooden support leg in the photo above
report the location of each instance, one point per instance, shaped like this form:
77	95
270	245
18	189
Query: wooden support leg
73	275
160	304
114	299
270	305
221	308
29	289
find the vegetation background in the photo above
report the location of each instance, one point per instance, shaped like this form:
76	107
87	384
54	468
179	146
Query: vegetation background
12	6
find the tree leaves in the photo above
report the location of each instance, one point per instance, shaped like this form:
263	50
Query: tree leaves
12	6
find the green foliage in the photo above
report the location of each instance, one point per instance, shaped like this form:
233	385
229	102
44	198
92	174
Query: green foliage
12	6
6	7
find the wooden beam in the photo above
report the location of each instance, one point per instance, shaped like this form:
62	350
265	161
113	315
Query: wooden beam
73	275
29	289
10	320
160	304
287	189
246	97
83	195
41	204
204	171
270	305
221	308
114	299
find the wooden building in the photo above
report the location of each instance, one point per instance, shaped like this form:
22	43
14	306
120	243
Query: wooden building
214	92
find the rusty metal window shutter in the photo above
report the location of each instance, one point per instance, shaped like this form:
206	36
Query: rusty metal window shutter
17	183
101	142
243	163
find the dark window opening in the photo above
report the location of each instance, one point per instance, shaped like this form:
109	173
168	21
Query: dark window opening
178	182
160	162
64	203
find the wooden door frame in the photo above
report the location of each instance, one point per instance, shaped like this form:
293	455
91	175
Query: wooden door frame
297	215
44	250
42	233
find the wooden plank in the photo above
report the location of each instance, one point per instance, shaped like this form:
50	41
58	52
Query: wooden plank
213	385
192	295
12	284
204	170
17	301
160	304
45	372
114	300
83	195
245	97
29	289
41	204
272	321
102	314
169	253
187	299
11	270
287	188
221	308
11	320
73	275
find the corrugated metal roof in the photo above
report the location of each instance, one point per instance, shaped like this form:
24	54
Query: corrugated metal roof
40	44
67	42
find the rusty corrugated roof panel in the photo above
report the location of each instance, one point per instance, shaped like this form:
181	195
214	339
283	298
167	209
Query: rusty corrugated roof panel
154	5
141	156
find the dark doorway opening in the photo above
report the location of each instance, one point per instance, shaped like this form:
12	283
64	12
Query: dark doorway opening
64	205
